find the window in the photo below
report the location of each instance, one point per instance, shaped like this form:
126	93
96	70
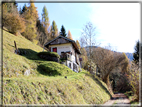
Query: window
70	65
54	49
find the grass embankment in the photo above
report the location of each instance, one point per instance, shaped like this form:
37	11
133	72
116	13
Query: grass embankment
46	83
77	89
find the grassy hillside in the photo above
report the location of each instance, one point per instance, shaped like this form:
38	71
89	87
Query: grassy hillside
77	89
16	65
46	83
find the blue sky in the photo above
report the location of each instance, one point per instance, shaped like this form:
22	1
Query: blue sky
117	24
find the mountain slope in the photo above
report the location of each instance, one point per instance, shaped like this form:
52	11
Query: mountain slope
16	65
46	83
129	55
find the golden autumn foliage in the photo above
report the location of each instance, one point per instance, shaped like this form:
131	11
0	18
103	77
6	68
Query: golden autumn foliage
78	44
30	15
13	22
70	35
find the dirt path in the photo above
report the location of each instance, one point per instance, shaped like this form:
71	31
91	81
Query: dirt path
118	99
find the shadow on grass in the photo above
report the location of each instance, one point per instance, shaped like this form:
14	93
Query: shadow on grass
47	71
99	83
45	68
30	54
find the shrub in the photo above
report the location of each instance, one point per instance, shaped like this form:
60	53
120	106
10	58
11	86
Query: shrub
13	22
134	79
54	69
52	54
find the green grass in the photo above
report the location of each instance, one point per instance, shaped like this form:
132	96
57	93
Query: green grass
79	89
46	83
54	69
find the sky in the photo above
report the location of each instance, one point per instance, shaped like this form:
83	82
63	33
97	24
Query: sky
117	24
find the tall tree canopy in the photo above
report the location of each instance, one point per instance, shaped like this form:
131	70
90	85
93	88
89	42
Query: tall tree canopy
107	60
63	31
11	18
136	53
70	35
31	16
11	7
54	30
45	19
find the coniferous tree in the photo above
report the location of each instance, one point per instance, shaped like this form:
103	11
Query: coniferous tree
41	35
45	19
136	53
63	31
11	18
54	30
70	35
32	10
11	7
31	17
23	9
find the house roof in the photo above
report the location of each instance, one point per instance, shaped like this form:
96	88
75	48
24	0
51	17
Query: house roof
71	41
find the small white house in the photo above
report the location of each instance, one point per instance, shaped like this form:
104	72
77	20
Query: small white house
67	49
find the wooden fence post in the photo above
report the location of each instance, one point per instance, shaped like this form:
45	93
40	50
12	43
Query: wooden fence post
16	47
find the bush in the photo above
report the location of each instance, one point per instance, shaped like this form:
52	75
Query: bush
52	54
13	22
54	69
134	79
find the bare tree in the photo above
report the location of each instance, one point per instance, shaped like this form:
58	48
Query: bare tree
107	60
88	36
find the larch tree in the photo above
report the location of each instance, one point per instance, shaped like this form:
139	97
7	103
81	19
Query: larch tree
63	31
41	35
31	16
11	18
69	35
33	12
11	7
45	19
54	30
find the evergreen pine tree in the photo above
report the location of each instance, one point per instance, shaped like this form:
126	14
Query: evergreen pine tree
24	9
63	31
136	53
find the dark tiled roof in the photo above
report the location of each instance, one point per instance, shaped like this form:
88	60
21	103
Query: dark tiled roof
72	41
